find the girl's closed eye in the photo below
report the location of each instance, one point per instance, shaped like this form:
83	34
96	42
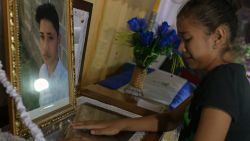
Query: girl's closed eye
187	40
186	37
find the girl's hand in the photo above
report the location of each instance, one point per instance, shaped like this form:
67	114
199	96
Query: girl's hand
100	127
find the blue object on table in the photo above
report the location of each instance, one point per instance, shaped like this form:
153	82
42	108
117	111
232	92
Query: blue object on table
182	94
120	79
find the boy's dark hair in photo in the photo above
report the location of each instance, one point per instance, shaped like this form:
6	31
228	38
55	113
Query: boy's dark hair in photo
48	11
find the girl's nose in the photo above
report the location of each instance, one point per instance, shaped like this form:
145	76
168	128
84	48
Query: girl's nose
182	47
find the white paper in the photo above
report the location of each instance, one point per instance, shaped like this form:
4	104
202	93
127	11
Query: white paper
159	89
162	86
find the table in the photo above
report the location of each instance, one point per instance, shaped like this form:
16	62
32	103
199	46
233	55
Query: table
158	85
117	99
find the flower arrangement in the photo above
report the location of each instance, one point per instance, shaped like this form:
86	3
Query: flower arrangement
149	45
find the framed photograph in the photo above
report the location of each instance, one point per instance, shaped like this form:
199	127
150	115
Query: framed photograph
40	56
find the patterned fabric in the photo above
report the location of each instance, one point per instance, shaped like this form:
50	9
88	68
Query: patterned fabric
58	84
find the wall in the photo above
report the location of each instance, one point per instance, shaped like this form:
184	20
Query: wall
104	54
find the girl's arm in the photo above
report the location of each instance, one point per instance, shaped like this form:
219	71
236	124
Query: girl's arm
213	126
165	121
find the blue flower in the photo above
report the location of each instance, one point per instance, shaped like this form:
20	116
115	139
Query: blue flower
176	44
164	42
146	38
168	39
148	45
163	29
137	24
171	34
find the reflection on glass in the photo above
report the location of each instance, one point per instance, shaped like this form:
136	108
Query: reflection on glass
41	84
43	59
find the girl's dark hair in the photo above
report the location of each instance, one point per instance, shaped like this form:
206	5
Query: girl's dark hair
212	14
48	11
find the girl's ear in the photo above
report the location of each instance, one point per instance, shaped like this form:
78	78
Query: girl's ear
221	36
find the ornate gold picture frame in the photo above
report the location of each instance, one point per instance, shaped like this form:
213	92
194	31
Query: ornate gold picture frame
44	77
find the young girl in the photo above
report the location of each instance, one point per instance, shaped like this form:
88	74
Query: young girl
219	108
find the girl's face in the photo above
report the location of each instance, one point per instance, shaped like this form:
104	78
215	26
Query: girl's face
49	42
196	44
